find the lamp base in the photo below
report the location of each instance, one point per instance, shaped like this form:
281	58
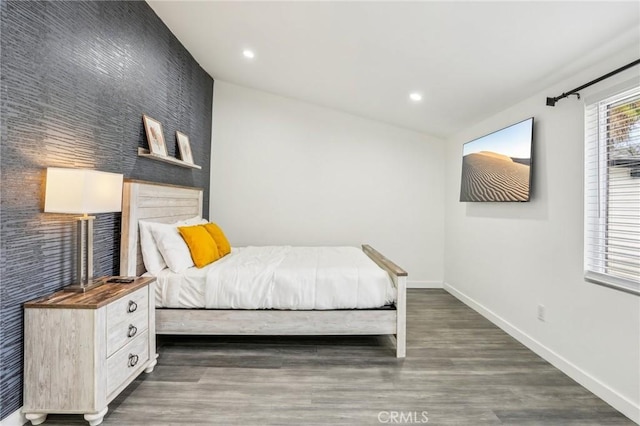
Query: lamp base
83	288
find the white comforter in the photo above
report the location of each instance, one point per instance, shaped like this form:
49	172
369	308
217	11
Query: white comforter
280	277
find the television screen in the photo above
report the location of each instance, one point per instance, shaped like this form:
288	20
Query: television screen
497	167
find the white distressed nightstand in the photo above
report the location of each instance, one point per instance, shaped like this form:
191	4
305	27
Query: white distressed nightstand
82	349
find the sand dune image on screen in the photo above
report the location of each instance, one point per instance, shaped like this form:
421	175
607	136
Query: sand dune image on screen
489	176
496	167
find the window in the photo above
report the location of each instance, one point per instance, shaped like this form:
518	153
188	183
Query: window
612	191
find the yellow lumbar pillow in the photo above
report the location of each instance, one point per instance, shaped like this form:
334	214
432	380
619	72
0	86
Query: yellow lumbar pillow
224	248
202	246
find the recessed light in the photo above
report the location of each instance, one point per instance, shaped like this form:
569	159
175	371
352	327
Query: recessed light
415	97
249	54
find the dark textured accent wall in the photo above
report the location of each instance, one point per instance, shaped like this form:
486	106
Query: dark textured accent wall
76	78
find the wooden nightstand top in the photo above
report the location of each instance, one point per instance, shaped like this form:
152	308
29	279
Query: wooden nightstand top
92	299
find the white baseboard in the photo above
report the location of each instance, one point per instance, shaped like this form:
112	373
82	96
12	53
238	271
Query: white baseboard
609	395
14	419
424	284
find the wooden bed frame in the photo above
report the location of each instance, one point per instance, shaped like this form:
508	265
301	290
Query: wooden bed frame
169	203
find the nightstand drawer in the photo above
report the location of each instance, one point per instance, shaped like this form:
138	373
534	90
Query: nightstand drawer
123	364
126	319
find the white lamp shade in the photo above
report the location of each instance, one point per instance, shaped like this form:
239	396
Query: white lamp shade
82	191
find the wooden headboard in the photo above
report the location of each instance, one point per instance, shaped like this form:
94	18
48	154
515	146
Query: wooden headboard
155	202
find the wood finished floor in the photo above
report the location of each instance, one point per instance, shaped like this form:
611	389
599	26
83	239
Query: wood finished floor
460	369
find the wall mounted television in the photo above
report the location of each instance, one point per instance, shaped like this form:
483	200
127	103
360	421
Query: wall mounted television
497	167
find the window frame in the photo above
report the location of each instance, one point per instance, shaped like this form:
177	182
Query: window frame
595	257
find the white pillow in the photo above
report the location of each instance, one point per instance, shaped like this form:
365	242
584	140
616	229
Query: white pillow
152	258
172	247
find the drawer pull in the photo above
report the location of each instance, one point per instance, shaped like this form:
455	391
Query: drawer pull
132	306
133	360
132	330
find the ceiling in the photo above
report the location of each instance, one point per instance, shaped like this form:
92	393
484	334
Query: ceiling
468	59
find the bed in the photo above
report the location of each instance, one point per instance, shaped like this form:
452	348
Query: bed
149	201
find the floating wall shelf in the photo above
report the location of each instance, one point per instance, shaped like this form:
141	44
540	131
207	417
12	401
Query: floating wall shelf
142	152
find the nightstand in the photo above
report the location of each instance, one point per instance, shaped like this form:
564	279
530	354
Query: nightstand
82	349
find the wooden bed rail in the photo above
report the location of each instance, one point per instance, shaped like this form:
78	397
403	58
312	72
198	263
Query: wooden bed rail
383	262
399	278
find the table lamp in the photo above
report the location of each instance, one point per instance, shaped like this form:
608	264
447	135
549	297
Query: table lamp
84	192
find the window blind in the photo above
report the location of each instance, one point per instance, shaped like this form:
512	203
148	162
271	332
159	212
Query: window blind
612	191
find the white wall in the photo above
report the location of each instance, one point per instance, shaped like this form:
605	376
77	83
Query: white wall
505	259
289	172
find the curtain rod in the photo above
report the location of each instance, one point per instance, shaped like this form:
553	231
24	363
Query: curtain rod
552	101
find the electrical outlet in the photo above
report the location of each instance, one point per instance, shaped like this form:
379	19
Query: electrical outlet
541	313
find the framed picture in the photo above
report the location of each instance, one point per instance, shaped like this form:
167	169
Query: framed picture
185	148
155	137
